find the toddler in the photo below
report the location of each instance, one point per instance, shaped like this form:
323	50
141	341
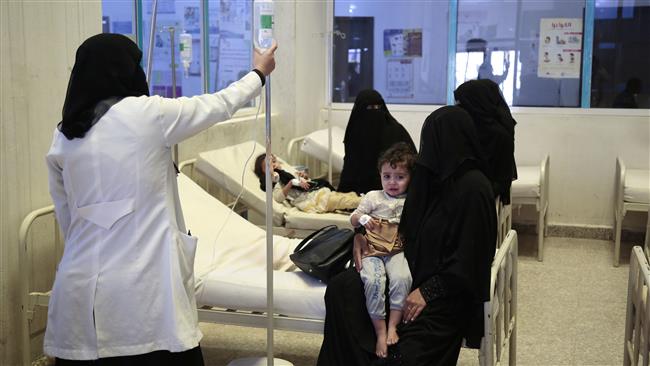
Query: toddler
378	215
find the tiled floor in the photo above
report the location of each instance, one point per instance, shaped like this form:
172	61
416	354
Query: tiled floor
571	312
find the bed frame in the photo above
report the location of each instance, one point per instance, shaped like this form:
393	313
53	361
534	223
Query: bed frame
541	205
621	207
500	311
637	319
319	168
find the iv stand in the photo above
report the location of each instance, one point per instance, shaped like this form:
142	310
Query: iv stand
152	31
172	40
269	360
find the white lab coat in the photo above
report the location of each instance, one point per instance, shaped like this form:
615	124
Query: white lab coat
125	284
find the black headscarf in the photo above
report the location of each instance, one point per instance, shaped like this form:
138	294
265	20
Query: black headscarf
496	131
370	131
107	67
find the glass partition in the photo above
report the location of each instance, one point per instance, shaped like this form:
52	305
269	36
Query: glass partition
230	39
620	75
532	49
398	48
176	21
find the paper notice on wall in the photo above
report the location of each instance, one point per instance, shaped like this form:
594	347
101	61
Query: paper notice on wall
399	78
403	42
560	48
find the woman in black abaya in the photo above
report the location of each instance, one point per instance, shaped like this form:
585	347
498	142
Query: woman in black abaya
496	131
449	225
370	131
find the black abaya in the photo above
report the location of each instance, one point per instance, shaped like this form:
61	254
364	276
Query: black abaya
449	224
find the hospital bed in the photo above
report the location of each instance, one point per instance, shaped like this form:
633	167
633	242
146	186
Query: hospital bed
230	274
531	188
316	146
225	167
632	193
637	319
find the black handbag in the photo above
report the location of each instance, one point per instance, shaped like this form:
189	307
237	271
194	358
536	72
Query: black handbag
324	253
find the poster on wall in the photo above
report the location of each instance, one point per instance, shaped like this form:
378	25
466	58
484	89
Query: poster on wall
191	19
560	48
403	42
399	78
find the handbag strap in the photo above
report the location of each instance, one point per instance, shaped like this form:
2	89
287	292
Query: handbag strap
307	240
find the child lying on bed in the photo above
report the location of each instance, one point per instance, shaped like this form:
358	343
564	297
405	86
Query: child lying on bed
313	196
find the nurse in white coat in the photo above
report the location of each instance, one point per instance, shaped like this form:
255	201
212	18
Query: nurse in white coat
124	289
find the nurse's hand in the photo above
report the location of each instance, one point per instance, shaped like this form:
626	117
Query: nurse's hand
358	250
413	306
265	61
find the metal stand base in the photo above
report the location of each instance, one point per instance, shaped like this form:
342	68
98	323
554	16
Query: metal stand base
258	361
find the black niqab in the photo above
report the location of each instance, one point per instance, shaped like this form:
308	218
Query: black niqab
107	67
496	130
370	132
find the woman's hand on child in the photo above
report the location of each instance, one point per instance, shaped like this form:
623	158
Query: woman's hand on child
413	306
359	249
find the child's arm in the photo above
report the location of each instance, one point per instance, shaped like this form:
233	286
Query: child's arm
361	216
279	193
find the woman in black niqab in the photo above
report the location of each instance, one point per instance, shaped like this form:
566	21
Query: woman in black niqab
370	131
107	69
449	226
496	131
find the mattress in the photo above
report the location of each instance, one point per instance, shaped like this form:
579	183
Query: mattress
316	145
296	219
294	293
231	259
637	186
225	166
226	240
527	183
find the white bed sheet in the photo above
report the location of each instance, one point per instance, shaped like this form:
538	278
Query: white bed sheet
240	245
316	145
294	293
637	186
230	270
225	165
527	183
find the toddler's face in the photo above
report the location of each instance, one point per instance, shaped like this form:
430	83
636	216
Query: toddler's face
394	180
274	164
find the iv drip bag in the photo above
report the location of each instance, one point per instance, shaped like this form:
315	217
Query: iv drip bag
263	23
185	40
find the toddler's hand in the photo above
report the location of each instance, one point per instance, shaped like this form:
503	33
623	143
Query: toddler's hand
372	224
303	183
